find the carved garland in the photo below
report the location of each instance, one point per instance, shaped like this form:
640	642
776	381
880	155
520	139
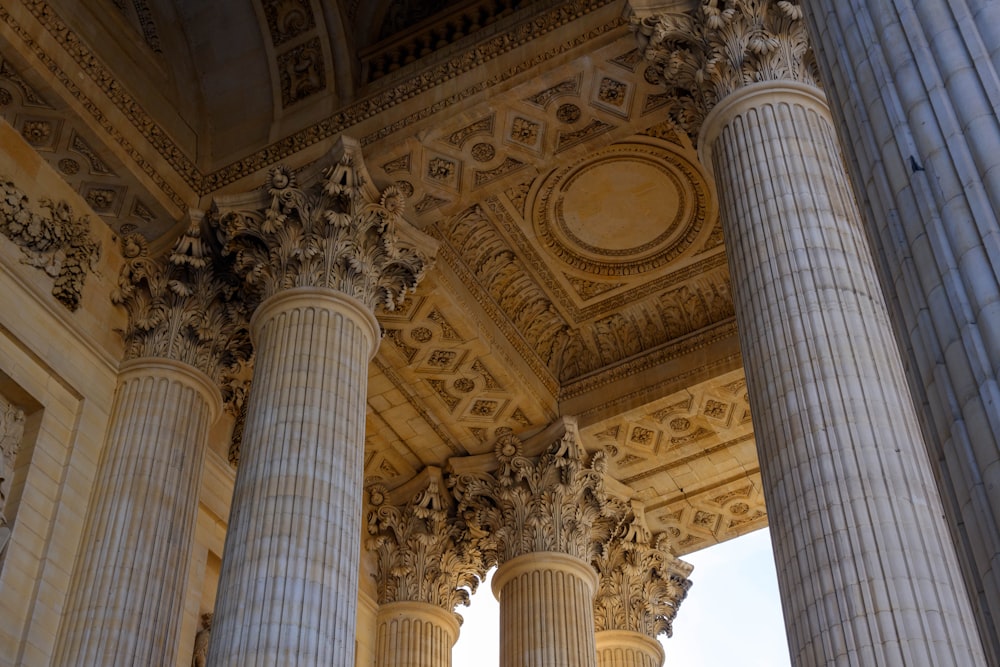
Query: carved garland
57	241
706	54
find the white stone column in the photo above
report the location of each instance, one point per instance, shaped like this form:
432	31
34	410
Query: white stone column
546	610
415	634
283	598
128	596
624	648
866	568
534	510
915	90
322	259
868	571
634	565
127	599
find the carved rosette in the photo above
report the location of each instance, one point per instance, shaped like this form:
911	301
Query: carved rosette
57	241
339	233
423	550
528	504
706	54
185	306
641	583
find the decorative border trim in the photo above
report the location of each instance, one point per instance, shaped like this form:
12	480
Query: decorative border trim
206	183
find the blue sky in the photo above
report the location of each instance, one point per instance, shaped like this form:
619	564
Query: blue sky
732	615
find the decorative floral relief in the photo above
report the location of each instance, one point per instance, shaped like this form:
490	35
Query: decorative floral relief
331	234
56	241
641	584
708	53
186	306
424	550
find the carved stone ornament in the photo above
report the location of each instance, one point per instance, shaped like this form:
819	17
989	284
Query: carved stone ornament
56	241
185	306
424	552
200	656
706	54
529	504
641	583
339	233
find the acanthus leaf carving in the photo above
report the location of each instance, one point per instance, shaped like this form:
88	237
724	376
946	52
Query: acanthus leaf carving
423	549
57	242
706	54
185	306
528	504
641	584
338	233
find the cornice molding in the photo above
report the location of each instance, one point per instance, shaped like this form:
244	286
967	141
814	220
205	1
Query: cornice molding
203	183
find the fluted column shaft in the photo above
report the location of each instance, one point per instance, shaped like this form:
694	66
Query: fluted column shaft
289	580
624	648
546	611
128	595
915	88
867	572
414	634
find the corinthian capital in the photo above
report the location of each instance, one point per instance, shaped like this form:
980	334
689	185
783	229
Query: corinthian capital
184	306
641	583
424	551
529	503
706	54
339	232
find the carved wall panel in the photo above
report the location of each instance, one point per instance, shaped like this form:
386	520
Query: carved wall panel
11	435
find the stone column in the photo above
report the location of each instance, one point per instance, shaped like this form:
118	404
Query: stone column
533	508
426	566
321	259
865	566
641	588
915	89
127	598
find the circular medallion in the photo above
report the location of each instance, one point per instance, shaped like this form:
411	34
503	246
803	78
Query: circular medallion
624	209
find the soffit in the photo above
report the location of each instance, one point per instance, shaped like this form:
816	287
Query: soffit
581	264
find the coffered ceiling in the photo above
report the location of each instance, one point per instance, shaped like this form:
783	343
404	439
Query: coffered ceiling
581	268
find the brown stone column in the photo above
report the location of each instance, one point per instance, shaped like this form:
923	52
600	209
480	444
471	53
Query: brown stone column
534	507
866	569
633	565
322	259
127	596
